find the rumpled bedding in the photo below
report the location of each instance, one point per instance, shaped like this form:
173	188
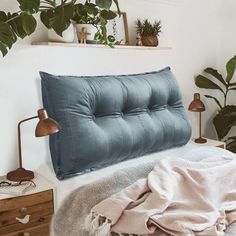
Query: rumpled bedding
178	197
69	219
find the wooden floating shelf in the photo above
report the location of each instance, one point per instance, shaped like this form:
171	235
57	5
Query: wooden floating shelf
99	46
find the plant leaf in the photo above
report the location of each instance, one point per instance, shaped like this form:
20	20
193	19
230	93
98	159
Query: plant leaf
62	19
29	6
215	99
108	15
58	19
17	26
91	9
203	82
105	4
223	121
233	88
231	145
3	49
3	16
80	14
111	38
28	23
45	17
215	74
98	36
230	67
7	37
232	84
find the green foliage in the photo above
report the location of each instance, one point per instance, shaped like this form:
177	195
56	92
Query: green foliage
7	37
19	24
55	16
225	119
29	6
145	28
230	67
231	146
58	18
97	14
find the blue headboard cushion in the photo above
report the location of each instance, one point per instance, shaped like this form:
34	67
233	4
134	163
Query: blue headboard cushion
109	119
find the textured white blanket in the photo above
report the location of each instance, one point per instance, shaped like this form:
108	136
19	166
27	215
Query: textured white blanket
178	197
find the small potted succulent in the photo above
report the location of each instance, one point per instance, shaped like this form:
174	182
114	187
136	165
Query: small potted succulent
148	32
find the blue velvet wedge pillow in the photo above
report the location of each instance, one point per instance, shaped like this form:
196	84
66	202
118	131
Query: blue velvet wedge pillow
109	119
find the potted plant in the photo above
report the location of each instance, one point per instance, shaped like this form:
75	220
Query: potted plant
94	16
225	118
23	23
148	32
56	17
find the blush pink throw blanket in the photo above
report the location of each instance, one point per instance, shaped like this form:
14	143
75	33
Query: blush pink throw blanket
179	197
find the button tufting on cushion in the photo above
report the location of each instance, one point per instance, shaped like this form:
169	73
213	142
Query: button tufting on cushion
107	119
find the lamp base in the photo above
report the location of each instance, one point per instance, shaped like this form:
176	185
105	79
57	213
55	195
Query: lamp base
20	174
200	140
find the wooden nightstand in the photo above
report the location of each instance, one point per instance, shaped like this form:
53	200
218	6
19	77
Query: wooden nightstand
213	143
37	203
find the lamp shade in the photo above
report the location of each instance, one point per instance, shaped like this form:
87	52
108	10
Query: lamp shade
196	105
46	126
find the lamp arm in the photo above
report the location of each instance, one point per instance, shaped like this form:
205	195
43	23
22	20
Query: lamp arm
19	138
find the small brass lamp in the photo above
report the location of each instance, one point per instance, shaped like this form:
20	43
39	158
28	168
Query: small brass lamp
46	126
198	106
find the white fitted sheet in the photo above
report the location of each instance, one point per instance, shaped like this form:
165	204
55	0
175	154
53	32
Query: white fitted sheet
189	151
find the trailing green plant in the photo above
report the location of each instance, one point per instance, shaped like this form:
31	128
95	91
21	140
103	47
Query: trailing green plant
98	15
225	118
54	16
145	28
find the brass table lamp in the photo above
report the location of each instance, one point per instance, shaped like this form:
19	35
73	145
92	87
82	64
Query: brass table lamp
46	126
198	106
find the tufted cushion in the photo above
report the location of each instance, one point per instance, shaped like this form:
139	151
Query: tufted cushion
108	119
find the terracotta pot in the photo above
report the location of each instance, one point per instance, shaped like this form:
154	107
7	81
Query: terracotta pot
150	41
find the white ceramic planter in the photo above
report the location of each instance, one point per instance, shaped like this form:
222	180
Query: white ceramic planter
68	35
92	30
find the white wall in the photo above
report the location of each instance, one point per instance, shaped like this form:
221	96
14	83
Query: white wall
228	31
227	46
191	27
227	43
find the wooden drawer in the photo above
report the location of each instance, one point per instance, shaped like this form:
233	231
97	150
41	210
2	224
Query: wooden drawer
24	201
42	230
39	206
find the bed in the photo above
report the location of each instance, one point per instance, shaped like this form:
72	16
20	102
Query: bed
67	189
113	128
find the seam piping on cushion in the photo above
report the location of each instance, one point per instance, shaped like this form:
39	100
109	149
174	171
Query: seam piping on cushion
43	84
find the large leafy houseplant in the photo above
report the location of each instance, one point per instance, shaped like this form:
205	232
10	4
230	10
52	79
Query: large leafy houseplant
225	118
54	16
18	24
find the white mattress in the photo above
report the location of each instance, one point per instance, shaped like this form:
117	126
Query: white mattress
65	187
